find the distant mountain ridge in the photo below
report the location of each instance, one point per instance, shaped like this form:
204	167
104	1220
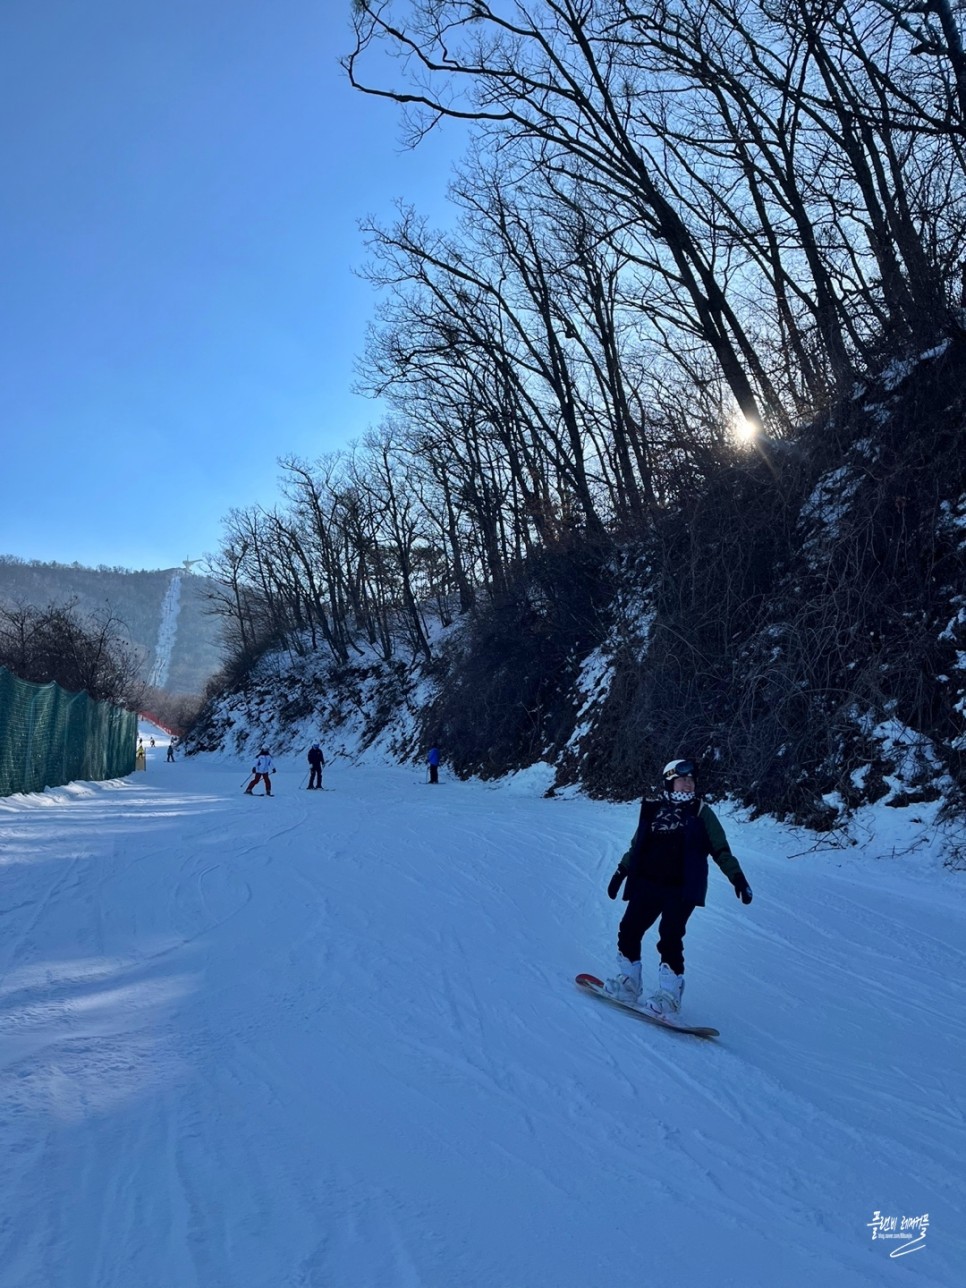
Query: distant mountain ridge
164	613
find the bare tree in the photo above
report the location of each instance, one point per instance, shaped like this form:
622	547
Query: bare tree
788	179
81	654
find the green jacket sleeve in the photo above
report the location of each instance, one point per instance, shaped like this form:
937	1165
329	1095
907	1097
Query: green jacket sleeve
720	849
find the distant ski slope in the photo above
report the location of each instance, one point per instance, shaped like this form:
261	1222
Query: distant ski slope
333	1040
167	632
165	615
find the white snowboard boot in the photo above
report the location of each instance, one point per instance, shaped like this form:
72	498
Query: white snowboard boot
626	985
666	1001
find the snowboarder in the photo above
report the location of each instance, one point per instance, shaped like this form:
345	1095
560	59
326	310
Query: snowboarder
666	874
316	761
140	757
433	761
262	768
170	755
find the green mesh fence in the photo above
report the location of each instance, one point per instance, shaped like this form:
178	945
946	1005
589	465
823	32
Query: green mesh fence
49	737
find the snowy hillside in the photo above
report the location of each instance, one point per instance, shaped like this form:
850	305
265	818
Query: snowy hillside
333	1041
165	615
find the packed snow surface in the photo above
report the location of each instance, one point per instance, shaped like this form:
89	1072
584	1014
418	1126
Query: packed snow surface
332	1040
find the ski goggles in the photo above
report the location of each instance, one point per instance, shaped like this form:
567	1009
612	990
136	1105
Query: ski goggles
680	769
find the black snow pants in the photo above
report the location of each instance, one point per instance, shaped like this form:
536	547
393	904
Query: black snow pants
648	902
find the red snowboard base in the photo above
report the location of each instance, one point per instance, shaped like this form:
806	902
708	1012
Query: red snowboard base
591	984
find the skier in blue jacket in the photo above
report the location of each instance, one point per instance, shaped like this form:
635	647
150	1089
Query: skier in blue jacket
433	761
665	875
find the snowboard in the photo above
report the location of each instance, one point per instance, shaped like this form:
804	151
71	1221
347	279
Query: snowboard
591	984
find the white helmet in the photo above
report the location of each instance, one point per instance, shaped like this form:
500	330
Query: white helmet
678	769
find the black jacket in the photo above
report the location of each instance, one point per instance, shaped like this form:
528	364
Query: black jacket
703	838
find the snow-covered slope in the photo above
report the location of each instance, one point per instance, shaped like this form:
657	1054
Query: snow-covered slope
167	633
333	1041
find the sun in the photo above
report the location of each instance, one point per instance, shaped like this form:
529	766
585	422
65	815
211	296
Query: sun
744	429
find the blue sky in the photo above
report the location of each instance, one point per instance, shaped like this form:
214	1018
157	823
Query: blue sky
178	228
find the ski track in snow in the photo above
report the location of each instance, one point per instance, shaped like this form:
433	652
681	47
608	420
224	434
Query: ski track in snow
334	1042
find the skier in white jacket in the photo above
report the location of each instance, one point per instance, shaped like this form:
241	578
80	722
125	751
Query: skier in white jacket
262	768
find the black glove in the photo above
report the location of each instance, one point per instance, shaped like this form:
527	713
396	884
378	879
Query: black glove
615	883
742	888
274	771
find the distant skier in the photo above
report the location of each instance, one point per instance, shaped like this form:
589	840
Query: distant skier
433	761
316	761
140	757
666	871
170	755
152	742
263	768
